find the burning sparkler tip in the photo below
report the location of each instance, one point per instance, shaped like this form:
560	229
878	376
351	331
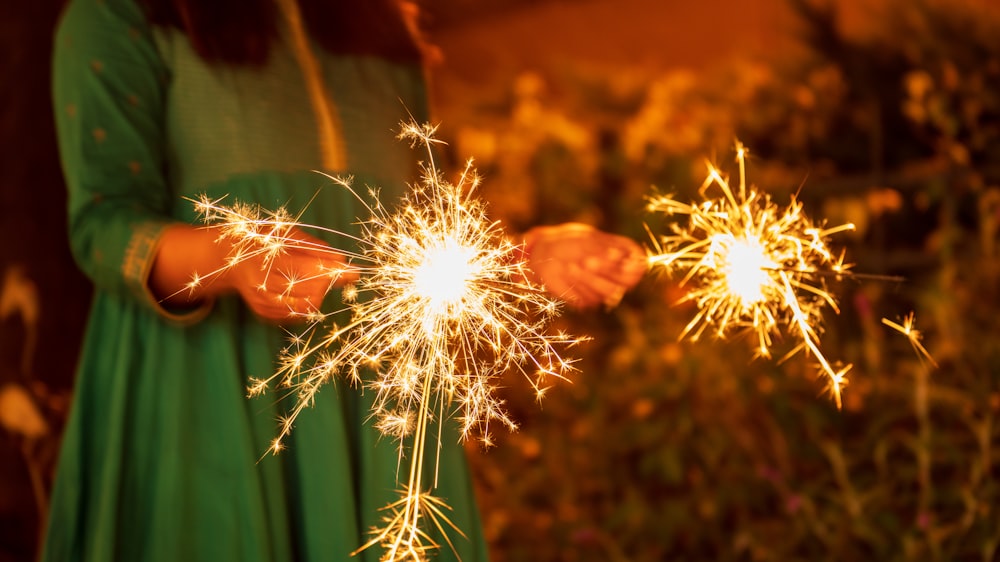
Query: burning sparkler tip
751	265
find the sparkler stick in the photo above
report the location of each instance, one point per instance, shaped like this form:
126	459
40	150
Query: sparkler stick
442	309
751	265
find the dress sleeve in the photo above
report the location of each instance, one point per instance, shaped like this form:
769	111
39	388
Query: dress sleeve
109	86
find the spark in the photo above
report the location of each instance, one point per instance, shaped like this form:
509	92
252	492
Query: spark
751	266
915	336
442	309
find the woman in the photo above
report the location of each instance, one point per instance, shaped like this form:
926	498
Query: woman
166	99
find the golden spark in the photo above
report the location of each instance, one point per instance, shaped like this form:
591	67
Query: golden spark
914	335
442	309
751	265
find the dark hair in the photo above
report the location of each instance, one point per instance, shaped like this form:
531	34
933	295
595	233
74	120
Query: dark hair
242	31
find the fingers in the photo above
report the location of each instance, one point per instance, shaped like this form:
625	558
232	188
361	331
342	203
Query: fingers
284	310
291	283
595	289
338	272
624	263
299	248
585	266
320	262
293	287
571	285
299	308
584	284
609	291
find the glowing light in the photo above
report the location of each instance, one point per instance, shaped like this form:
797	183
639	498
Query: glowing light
745	263
442	309
751	266
444	275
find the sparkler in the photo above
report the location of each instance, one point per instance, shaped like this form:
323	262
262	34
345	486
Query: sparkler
442	309
752	266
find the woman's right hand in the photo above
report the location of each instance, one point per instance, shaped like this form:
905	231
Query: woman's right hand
284	288
291	284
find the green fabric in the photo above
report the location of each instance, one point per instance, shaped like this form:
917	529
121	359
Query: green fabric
161	458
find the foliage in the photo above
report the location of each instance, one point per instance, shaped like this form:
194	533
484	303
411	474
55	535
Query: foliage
676	450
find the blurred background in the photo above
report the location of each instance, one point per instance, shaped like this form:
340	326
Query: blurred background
884	113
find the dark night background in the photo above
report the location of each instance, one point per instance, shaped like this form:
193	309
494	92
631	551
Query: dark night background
44	298
883	113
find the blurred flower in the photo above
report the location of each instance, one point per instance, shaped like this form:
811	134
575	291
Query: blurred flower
883	200
18	413
853	210
477	143
529	85
530	447
918	84
642	408
19	295
671	353
665	120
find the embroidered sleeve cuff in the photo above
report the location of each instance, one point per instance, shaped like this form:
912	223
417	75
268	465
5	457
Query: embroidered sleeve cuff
137	264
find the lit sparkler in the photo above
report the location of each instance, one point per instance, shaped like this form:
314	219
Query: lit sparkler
752	266
442	309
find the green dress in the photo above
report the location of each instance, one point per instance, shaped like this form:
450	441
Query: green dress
163	455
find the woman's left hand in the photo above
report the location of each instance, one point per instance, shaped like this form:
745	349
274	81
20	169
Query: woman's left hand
583	265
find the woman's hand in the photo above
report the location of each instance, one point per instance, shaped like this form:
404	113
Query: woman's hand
291	285
582	265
